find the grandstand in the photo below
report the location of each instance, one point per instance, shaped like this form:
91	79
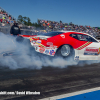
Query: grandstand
56	26
6	18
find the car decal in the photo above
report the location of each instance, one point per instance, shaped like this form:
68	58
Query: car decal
62	35
52	52
76	58
40	44
84	45
92	51
41	49
47	51
49	43
99	51
38	41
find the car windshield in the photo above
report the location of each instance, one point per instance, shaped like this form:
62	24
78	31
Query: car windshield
52	33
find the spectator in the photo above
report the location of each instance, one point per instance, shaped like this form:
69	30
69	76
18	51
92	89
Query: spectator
15	30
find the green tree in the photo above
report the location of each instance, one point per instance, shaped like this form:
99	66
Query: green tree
20	18
27	21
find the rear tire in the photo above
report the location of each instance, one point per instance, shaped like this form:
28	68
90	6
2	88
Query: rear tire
66	51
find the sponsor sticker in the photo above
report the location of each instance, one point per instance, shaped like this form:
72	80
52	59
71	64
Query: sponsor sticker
62	35
92	51
47	47
77	58
40	44
38	41
35	45
49	43
47	51
52	52
51	47
42	49
33	41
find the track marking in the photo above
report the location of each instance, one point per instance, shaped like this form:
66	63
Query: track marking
71	94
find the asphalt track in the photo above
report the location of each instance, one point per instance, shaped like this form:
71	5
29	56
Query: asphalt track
48	81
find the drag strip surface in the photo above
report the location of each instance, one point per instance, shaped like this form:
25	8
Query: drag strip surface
48	81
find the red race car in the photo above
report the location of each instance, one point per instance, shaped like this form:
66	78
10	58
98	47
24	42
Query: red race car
80	46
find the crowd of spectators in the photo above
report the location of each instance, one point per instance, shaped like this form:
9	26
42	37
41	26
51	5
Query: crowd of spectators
5	18
55	26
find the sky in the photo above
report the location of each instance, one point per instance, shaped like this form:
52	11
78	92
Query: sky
79	12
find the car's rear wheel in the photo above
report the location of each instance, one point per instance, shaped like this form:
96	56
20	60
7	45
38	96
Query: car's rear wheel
66	51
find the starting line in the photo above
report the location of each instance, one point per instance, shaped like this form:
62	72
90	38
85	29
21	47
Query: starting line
88	94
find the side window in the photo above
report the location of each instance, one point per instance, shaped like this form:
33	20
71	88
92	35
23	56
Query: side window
82	37
86	38
90	39
74	36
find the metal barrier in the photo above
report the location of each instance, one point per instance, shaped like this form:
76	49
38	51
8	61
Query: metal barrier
5	30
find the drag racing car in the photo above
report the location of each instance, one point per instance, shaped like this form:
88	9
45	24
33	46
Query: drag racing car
77	45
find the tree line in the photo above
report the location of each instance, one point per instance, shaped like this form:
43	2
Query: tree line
27	21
